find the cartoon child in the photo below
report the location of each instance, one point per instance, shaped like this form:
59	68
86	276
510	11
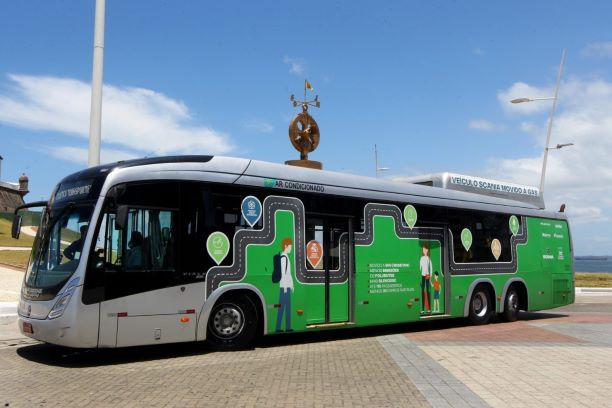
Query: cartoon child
426	268
286	287
436	286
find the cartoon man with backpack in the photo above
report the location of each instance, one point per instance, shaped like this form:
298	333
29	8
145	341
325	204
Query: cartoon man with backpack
282	275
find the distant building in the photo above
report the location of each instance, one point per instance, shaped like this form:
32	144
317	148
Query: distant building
11	194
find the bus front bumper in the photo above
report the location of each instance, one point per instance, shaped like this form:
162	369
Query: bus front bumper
55	331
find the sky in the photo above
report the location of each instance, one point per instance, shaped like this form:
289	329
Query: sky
428	82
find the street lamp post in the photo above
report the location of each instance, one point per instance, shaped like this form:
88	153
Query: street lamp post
378	169
560	146
95	119
550	121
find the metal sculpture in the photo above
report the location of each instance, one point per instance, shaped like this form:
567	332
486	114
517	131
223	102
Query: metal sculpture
304	132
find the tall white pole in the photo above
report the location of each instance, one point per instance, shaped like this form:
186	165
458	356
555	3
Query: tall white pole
95	119
550	123
376	159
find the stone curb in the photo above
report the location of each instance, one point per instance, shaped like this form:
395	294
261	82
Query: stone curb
602	291
8	312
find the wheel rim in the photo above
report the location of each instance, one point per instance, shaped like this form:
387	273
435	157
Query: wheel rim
480	304
228	321
513	302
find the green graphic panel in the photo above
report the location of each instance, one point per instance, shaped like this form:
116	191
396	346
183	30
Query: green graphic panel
544	264
218	246
514	224
555	263
315	303
339	302
410	215
466	239
260	265
388	282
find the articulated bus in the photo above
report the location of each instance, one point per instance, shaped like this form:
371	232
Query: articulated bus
217	249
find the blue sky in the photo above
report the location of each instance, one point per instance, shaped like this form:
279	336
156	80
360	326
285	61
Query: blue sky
427	81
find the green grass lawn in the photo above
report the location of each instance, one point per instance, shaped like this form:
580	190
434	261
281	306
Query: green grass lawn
18	259
593	280
7	240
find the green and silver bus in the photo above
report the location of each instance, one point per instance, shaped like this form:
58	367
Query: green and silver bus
218	249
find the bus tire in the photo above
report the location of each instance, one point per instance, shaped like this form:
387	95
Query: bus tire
480	306
511	305
232	324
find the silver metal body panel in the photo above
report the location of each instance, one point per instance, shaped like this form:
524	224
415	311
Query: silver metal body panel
218	169
76	327
480	186
212	299
377	189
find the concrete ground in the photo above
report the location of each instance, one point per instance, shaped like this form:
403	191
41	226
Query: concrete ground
557	358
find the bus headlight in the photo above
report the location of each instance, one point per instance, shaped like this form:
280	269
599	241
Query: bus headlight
61	304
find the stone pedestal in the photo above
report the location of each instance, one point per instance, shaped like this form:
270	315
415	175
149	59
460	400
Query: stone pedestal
310	164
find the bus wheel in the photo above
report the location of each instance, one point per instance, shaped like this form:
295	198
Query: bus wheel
480	306
511	306
232	323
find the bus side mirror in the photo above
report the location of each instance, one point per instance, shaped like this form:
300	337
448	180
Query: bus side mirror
122	212
16	228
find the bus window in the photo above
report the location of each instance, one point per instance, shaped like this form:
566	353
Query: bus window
141	256
485	228
149	240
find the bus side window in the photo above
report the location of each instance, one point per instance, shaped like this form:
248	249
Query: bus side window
485	228
141	256
149	240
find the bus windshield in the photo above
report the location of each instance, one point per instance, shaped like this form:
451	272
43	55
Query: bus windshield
57	249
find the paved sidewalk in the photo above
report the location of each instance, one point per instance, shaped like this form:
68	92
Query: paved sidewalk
441	388
554	358
10	284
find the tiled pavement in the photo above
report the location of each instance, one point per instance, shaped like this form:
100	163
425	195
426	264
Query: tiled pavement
548	359
560	358
346	373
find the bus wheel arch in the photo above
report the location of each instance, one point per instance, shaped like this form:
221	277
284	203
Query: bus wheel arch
232	317
514	299
480	304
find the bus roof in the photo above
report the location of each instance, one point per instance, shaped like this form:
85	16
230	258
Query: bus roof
479	185
284	177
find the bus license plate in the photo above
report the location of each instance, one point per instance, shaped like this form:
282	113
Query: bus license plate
27	328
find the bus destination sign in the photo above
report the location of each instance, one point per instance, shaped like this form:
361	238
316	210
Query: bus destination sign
492	185
73	191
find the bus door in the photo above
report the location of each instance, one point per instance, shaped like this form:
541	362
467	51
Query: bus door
328	257
141	298
434	274
445	279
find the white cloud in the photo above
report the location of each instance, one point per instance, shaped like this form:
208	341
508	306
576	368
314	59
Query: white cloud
530	127
258	126
484	125
296	65
138	119
580	175
600	49
586	215
523	90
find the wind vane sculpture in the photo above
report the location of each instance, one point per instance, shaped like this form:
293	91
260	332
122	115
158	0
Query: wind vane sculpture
304	132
